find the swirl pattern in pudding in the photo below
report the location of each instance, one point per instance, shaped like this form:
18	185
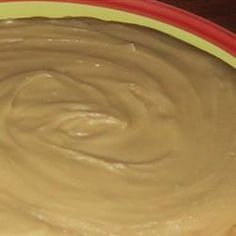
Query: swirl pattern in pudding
111	129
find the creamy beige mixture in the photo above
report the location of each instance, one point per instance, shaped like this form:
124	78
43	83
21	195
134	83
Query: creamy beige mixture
110	129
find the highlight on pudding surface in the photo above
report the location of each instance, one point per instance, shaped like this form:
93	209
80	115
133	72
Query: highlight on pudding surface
112	129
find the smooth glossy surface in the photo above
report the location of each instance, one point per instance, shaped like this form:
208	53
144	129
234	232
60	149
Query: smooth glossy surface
112	129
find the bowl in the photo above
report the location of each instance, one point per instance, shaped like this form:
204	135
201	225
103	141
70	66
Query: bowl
175	22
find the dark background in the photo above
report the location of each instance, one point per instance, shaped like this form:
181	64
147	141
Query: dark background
222	12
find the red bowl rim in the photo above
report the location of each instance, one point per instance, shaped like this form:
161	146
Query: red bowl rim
166	13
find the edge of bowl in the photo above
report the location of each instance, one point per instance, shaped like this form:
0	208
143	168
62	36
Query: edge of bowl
176	22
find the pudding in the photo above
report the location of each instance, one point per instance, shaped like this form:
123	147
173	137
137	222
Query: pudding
111	129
